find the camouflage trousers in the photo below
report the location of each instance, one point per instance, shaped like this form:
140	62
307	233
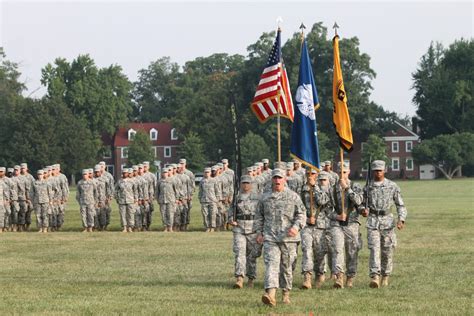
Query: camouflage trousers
185	213
8	213
108	211
23	207
88	213
179	209
14	211
209	214
314	248
60	215
127	214
42	211
149	215
53	219
246	251
381	243
29	210
346	243
100	217
3	213
167	211
144	212
138	215
220	215
279	259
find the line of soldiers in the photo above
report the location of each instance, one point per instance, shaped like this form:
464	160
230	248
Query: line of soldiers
21	194
322	215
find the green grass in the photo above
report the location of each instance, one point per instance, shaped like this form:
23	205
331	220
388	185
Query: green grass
191	273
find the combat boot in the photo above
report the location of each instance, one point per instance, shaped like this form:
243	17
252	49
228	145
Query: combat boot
286	297
375	282
208	230
45	230
130	230
385	280
268	298
20	228
307	281
320	281
339	282
239	282
27	227
350	282
14	229
211	230
124	230
250	284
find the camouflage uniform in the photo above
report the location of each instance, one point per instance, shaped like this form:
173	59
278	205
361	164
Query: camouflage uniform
102	187
42	197
166	196
183	197
245	246
221	181
23	196
345	236
13	207
208	199
110	195
86	196
29	180
277	212
380	224
127	197
64	185
57	198
186	218
150	178
4	200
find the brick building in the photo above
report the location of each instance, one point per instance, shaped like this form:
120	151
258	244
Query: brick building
164	141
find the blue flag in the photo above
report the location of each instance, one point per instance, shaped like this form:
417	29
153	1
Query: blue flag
304	137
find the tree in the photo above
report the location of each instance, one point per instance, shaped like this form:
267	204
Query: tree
374	149
102	97
325	151
444	84
253	149
140	149
448	153
192	149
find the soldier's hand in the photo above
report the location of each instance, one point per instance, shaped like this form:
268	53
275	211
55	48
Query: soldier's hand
292	232
400	225
365	212
259	239
341	217
233	223
343	184
312	220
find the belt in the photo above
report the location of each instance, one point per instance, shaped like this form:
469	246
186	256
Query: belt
246	217
379	213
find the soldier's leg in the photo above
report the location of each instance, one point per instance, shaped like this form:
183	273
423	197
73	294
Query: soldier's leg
388	243
188	215
218	214
22	213
254	250
108	213
15	214
45	214
373	243
8	213
39	219
131	209
205	215
91	215
171	214
163	213
83	211
2	217
239	248
150	214
307	264
177	216
138	216
329	255
60	219
337	249
123	215
103	217
319	250
272	258
352	247
28	214
288	256
213	214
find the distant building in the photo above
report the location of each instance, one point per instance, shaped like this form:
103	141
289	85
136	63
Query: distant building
163	137
400	142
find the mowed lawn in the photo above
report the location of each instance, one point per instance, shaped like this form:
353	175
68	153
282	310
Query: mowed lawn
190	273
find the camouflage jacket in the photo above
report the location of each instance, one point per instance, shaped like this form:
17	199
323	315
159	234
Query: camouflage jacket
207	190
246	206
41	192
125	192
318	200
353	197
166	191
86	193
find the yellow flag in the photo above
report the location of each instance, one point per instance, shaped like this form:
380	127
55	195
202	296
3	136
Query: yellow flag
340	116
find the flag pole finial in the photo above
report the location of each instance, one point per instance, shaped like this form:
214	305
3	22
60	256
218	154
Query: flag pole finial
335	27
302	28
279	20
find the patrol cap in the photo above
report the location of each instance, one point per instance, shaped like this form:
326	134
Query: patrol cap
323	175
146	163
49	168
327	163
140	166
91	170
2	169
10	169
378	165
280	165
102	163
135	167
174	166
24	165
296	161
130	170
17	167
40	171
246	179
214	168
249	169
182	160
259	164
265	160
278	173
56	166
53	167
314	171
97	168
207	169
85	171
289	166
347	165
220	165
125	170
225	160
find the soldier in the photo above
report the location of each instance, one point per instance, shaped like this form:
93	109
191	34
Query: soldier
299	170
166	196
186	217
23	196
379	198
208	199
345	235
266	167
14	202
127	200
294	181
245	246
4	199
186	186
279	219
219	188
102	187
228	175
64	197
29	180
152	182
57	197
110	193
313	237
42	197
86	196
334	176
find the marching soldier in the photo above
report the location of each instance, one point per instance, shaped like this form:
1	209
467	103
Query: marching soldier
334	177
4	199
86	196
15	187
279	219
294	181
191	186
64	185
245	246
208	199
29	180
42	197
166	196
127	200
110	192
152	182
380	196
102	187
187	192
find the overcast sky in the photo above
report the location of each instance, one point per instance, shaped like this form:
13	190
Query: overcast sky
395	34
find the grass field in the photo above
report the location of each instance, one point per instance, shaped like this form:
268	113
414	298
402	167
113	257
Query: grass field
191	273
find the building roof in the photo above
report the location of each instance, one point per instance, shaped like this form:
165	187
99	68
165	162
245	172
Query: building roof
120	138
400	131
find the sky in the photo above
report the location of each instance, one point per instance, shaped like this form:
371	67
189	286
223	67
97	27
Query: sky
395	34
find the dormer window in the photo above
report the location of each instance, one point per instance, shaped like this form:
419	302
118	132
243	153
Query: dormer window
174	134
153	134
131	134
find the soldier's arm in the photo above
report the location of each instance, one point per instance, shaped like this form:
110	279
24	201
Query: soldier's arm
299	221
401	209
355	194
321	197
259	218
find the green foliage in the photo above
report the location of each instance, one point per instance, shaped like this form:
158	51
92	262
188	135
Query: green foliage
448	153
375	149
444	85
102	97
326	151
192	149
140	149
253	149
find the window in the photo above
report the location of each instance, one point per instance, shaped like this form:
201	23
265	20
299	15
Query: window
174	134
395	147
110	169
153	134
395	164
131	134
107	153
409	164
408	146
124	152
167	152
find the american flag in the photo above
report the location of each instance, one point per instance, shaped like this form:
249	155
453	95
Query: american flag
273	86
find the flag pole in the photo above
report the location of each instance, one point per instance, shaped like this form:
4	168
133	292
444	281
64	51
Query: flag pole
279	20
